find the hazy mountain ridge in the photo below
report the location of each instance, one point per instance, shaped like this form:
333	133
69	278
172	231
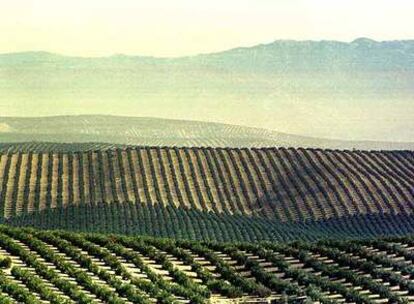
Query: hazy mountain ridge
280	54
362	89
292	55
163	132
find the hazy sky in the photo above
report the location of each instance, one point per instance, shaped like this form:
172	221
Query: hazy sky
183	27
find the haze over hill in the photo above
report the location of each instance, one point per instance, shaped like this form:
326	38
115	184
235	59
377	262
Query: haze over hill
115	130
361	90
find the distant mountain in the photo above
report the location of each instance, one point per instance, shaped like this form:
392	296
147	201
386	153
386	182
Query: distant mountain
284	55
99	131
358	90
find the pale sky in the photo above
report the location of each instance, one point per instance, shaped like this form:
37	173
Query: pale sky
186	27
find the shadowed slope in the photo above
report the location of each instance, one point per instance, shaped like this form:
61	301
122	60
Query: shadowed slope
290	185
182	223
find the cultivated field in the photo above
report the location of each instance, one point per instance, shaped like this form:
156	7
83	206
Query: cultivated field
285	184
64	267
211	193
18	133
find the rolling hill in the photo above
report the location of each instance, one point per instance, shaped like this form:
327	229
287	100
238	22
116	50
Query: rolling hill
90	132
62	267
358	90
212	193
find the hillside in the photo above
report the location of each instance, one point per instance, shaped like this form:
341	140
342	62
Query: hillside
249	191
91	132
330	89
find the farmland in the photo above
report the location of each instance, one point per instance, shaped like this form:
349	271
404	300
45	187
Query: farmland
238	194
87	132
238	224
41	266
279	173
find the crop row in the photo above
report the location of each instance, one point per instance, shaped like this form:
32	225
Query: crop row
66	267
284	184
176	222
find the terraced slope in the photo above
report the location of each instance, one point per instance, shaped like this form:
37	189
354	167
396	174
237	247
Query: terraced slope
64	267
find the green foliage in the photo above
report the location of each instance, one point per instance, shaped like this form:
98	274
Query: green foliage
5	262
305	271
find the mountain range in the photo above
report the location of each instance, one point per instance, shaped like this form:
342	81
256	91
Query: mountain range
362	90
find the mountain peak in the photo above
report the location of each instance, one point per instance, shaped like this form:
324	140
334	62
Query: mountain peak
364	41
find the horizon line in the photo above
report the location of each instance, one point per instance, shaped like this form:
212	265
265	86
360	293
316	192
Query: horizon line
46	52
